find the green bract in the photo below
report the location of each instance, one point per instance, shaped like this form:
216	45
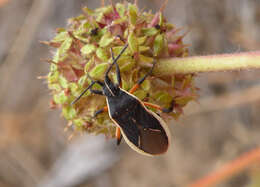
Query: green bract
83	53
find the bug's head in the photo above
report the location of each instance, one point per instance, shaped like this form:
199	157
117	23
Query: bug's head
111	89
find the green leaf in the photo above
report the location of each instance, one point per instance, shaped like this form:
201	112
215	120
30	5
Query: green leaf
141	40
88	11
82	80
161	19
118	49
73	87
120	9
127	66
125	85
56	57
78	122
87	49
82	29
158	44
97	87
59	58
60	37
102	32
163	97
63	82
169	26
183	100
78	18
99	17
150	31
126	33
124	59
65	46
141	94
55	87
145	59
88	65
60	98
146	85
133	42
53	67
69	112
120	20
105	10
144	48
53	77
106	40
59	30
98	71
102	54
132	13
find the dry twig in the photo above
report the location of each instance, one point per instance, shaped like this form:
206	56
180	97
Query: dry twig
229	169
225	101
22	42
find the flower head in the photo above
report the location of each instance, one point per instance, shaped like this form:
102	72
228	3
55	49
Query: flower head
83	51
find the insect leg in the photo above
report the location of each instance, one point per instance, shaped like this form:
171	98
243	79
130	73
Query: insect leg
118	132
99	92
105	109
118	76
165	110
118	135
140	81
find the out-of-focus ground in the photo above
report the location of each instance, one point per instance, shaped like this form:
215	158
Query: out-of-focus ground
34	150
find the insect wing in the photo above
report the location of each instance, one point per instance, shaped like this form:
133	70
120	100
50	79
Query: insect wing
142	129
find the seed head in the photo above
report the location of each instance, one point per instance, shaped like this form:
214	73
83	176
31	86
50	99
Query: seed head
83	51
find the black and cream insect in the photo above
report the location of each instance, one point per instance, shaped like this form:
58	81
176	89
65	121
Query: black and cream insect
143	130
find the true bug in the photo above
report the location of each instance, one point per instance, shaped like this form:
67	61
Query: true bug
143	130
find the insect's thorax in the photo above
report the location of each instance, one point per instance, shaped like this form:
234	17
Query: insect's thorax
121	104
126	109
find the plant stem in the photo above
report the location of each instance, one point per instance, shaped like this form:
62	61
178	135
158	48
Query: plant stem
230	169
211	63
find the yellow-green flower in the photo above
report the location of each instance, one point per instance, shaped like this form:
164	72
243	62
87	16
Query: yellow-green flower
83	51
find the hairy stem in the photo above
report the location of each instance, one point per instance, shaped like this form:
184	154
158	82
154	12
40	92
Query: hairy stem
211	63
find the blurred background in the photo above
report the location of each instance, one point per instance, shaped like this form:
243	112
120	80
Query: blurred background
34	149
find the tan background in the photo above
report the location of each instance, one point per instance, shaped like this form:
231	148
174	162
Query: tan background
34	150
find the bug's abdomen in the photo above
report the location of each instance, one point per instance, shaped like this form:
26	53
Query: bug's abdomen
139	125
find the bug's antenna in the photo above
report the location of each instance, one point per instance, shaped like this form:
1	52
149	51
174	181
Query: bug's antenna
116	59
73	102
112	54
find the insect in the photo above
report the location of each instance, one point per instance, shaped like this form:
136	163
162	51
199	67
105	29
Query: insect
143	130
